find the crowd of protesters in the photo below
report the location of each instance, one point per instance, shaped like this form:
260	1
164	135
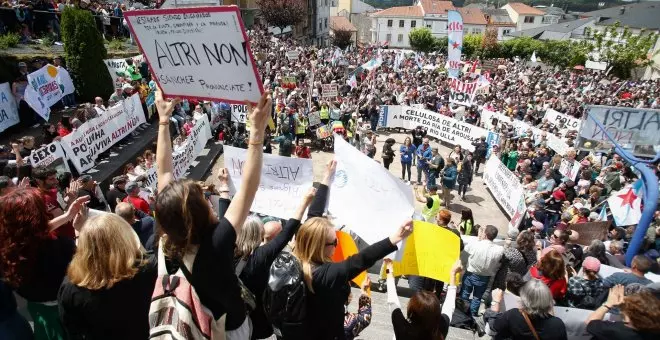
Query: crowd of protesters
87	276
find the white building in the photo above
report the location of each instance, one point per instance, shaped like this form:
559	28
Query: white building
526	17
498	19
393	25
322	24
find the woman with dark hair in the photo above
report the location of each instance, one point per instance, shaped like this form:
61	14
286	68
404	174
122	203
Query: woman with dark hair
641	312
193	237
407	151
464	175
516	259
467	222
33	261
551	270
50	134
424	319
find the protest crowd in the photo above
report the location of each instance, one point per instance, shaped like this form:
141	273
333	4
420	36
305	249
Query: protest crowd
158	255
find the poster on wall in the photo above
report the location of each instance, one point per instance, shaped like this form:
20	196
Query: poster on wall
198	53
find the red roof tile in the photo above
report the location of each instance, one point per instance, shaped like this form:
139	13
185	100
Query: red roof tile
436	7
342	24
473	16
521	8
401	11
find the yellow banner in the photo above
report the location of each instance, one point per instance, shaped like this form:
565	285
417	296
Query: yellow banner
430	251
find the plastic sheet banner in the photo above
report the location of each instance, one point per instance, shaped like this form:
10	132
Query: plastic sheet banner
8	108
430	252
506	189
559	119
198	53
346	247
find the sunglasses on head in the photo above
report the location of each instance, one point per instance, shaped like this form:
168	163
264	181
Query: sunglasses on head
333	243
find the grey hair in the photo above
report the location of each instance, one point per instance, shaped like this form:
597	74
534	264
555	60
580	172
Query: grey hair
597	247
536	299
251	236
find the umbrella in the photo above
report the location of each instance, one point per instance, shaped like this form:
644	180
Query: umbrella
578	67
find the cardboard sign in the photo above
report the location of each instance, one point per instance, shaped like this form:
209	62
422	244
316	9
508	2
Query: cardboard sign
506	189
198	53
239	113
293	55
555	143
51	155
346	247
314	118
323	132
329	90
590	231
569	170
96	135
421	255
284	181
8	108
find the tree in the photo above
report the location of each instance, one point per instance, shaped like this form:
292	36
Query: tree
489	43
623	50
282	13
84	52
472	45
342	38
421	39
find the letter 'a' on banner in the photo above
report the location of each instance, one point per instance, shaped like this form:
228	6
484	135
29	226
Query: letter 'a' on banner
346	247
430	251
198	53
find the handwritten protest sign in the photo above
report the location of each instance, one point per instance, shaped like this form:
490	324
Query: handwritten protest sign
362	182
570	169
634	129
329	90
293	54
437	125
555	143
284	181
314	118
8	108
99	134
506	189
421	255
323	132
346	247
559	119
590	231
117	68
198	53
239	113
335	114
461	92
51	155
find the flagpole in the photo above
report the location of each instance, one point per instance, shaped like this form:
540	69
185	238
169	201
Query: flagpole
650	198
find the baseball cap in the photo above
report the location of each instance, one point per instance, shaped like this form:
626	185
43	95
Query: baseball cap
559	195
131	186
591	263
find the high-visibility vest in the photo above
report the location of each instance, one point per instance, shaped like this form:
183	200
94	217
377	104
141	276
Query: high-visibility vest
325	113
430	213
301	127
351	128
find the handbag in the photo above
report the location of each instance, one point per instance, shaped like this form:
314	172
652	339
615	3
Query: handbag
529	324
246	294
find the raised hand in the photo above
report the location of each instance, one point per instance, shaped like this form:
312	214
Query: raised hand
165	107
259	114
223	177
402	232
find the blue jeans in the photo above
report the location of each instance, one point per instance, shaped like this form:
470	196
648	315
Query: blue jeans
430	179
374	124
475	284
420	169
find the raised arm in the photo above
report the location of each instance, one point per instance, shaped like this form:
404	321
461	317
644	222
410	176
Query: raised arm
165	167
450	301
240	205
320	199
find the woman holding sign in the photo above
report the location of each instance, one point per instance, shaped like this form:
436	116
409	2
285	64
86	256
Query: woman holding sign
190	229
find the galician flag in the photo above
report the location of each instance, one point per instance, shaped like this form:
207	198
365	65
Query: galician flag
372	64
352	81
625	204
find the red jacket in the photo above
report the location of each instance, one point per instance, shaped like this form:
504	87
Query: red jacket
557	287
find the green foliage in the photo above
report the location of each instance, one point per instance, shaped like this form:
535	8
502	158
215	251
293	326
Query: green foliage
422	40
9	40
472	45
442	45
622	49
342	38
282	13
117	45
84	53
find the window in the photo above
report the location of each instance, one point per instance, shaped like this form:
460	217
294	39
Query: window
413	23
399	38
506	31
320	25
326	3
529	20
476	31
428	25
465	31
388	37
389	23
402	23
326	22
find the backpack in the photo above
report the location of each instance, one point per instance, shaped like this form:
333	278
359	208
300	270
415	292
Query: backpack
176	311
285	297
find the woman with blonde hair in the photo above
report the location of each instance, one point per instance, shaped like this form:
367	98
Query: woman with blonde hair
193	237
108	272
327	281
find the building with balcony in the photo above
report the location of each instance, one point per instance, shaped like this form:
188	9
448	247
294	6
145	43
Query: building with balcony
525	17
498	19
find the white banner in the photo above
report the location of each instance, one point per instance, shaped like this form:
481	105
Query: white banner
635	130
559	119
293	55
366	197
487	117
284	181
439	126
569	169
51	155
201	53
184	154
82	145
117	68
43	90
329	90
506	189
555	143
239	113
8	108
462	92
64	79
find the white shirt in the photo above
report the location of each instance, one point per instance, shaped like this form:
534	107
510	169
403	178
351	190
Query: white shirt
484	257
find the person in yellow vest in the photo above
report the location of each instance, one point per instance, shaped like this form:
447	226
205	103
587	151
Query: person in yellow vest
352	126
301	126
432	203
324	113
